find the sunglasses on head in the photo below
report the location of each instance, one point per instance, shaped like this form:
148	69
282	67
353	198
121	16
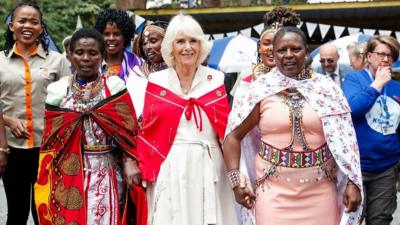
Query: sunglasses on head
328	60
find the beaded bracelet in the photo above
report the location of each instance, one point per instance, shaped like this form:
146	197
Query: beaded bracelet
5	150
234	178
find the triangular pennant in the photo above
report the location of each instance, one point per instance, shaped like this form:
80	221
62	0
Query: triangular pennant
324	29
385	32
218	36
207	36
397	35
246	32
338	30
78	23
231	34
259	28
139	23
353	30
311	28
370	32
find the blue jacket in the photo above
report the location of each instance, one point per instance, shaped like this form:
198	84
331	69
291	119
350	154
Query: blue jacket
378	151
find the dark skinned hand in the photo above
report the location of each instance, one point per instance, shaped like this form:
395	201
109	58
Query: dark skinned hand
132	172
351	197
245	196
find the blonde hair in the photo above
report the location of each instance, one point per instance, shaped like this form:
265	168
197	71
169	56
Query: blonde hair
184	24
357	48
389	41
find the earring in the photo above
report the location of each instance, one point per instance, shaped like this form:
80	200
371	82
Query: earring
14	37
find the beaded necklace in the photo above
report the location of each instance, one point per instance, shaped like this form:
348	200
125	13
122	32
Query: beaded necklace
295	101
260	69
83	91
147	68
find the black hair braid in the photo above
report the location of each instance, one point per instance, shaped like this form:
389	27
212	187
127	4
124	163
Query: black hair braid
43	37
120	18
283	15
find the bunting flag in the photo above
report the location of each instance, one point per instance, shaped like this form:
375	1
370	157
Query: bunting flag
259	28
369	31
385	32
311	28
324	29
218	36
232	34
397	35
246	32
78	23
338	30
139	23
353	30
207	36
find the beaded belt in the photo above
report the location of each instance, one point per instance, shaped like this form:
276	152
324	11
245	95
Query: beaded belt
295	159
97	148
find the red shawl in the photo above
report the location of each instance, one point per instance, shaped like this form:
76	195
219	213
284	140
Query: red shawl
161	114
59	192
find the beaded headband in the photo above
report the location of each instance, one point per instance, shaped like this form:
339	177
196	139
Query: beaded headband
152	28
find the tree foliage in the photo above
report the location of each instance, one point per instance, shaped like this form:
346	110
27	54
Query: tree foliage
61	15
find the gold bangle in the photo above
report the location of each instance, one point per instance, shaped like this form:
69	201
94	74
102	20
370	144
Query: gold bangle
5	150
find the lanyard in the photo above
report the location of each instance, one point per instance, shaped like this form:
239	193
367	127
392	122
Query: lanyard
383	98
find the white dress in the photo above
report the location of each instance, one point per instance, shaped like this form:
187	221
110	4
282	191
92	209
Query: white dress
192	187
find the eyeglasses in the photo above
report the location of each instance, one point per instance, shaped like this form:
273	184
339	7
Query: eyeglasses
328	60
382	55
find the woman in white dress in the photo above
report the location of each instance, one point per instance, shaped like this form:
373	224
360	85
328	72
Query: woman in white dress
184	118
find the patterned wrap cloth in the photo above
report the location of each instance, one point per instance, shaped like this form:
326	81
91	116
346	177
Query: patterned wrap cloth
59	191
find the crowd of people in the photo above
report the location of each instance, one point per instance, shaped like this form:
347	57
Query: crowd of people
137	130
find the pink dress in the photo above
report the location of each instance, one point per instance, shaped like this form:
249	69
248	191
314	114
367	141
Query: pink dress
300	196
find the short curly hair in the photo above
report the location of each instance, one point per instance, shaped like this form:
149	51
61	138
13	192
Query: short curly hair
118	17
85	33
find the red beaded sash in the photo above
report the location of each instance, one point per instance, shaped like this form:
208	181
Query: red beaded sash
295	159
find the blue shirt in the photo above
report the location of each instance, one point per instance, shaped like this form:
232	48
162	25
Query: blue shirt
379	150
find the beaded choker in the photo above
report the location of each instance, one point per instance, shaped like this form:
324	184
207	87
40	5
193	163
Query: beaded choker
260	69
305	74
83	92
147	68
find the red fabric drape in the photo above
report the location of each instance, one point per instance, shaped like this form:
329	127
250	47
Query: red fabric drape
161	114
59	194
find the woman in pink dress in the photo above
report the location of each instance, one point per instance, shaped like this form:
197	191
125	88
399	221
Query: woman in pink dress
307	169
